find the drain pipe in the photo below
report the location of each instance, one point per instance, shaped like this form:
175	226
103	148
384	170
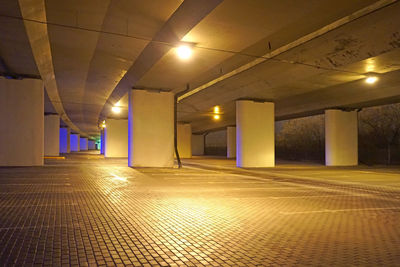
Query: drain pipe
177	95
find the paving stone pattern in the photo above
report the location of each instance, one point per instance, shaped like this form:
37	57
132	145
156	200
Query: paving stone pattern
89	211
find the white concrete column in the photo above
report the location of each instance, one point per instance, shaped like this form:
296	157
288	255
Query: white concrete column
184	135
102	142
197	144
65	140
231	142
91	145
341	138
83	143
75	142
21	122
52	135
116	139
151	129
255	136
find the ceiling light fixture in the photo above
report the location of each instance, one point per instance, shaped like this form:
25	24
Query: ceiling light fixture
216	109
371	79
116	109
216	117
184	51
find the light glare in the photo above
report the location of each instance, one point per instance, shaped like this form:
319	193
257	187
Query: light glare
217	117
116	109
371	79
216	109
184	51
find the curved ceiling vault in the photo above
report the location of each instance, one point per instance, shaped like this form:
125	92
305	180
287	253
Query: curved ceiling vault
297	54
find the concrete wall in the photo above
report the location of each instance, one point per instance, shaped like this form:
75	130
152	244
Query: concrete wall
197	144
65	142
21	122
75	142
116	139
341	138
83	143
51	135
184	135
255	135
215	143
91	145
231	142
151	129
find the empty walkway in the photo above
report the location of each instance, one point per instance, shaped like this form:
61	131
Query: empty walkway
86	210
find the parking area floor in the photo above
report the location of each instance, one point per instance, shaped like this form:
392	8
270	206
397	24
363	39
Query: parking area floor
87	210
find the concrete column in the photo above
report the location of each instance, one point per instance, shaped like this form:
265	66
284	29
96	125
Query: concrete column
341	138
83	143
102	142
197	144
184	135
51	135
75	142
21	122
65	146
255	140
91	145
116	139
151	129
231	142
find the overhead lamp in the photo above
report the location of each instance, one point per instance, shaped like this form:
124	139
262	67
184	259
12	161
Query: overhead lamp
184	51
216	116
116	109
371	79
216	109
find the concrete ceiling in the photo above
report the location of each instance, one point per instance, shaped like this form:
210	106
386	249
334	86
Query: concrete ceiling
303	55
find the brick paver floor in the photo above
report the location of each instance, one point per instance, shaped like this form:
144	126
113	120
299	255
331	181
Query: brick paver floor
86	210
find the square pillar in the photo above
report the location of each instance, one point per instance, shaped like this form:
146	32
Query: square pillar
255	135
116	139
341	138
102	142
197	144
231	142
83	143
91	145
65	140
184	135
151	129
22	122
75	142
52	135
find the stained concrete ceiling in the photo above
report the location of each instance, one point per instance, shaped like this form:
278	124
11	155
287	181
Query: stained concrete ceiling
303	55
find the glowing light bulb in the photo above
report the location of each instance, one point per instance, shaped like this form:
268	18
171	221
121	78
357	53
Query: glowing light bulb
116	109
216	109
371	79
216	117
184	52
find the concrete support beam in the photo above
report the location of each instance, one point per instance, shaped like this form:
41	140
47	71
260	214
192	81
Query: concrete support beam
116	139
255	134
184	135
83	143
151	129
22	122
75	142
102	142
341	138
65	142
231	142
197	144
52	135
92	145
